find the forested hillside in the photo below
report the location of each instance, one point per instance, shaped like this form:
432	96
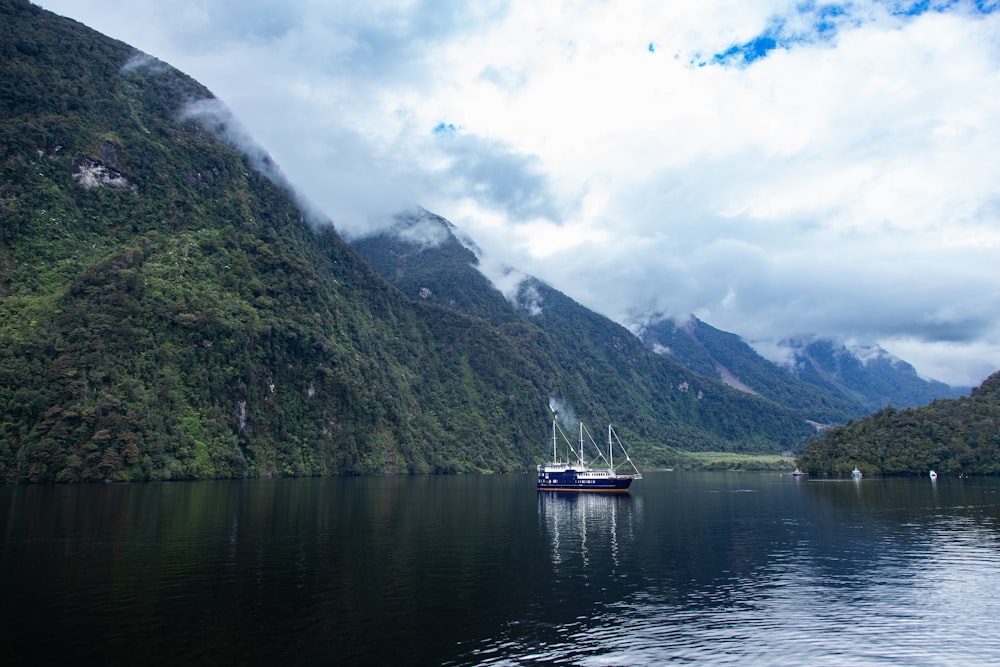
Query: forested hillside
168	312
950	436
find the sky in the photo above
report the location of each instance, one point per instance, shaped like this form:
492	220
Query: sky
774	168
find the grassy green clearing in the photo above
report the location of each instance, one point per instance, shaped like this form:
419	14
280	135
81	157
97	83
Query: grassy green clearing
734	461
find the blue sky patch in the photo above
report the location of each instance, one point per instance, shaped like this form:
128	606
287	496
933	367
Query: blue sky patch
445	128
920	7
815	23
899	8
744	54
821	24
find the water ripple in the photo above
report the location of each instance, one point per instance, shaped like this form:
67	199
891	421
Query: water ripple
920	592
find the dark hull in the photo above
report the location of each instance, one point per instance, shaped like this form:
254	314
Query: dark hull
570	482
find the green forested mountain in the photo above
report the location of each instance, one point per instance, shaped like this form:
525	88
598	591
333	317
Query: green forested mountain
168	312
949	436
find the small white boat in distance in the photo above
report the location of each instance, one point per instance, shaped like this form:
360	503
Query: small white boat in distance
933	474
856	474
798	473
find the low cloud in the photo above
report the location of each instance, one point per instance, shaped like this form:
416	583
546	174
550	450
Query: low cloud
496	176
145	63
216	118
964	364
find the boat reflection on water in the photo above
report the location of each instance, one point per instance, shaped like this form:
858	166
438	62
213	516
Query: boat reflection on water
587	527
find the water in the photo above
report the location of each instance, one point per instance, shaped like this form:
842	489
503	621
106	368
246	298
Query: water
717	568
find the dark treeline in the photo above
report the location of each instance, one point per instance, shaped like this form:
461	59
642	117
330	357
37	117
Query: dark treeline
951	436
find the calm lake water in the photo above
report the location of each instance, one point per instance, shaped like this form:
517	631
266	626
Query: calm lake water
718	568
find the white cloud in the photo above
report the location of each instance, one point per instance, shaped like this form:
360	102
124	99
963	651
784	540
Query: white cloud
957	363
836	176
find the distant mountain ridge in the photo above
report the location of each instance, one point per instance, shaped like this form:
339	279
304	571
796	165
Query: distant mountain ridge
876	377
834	381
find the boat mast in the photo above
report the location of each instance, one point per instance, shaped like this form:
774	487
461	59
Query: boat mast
611	449
554	459
581	444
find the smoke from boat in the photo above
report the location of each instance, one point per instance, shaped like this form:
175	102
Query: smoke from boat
564	413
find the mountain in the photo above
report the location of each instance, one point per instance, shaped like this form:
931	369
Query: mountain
827	381
950	436
869	373
714	353
424	256
168	309
609	371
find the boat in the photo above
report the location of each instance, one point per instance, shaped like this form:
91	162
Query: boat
799	473
856	474
933	474
575	473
